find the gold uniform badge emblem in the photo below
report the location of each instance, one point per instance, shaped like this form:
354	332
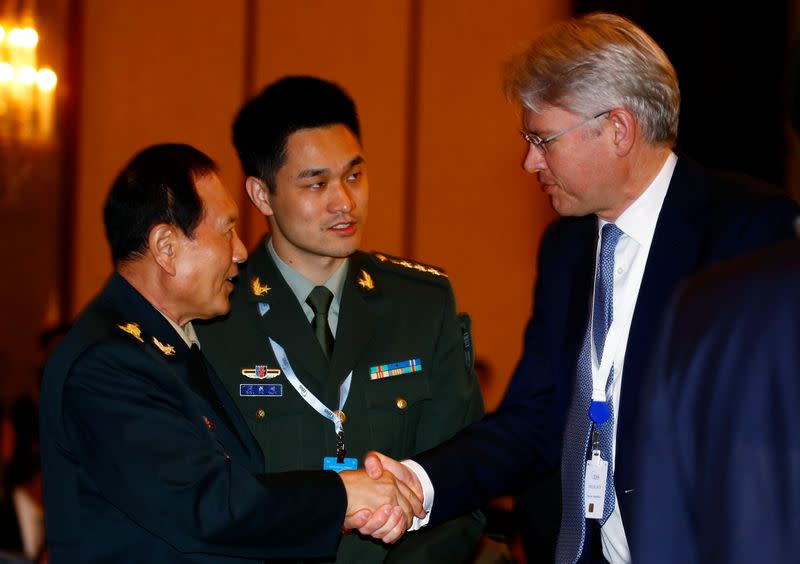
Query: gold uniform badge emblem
132	329
257	288
168	350
365	281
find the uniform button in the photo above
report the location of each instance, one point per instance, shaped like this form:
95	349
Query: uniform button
260	413
401	403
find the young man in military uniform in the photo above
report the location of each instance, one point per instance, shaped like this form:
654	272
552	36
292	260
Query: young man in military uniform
330	352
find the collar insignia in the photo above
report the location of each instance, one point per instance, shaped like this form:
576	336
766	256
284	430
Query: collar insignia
132	329
257	289
365	281
168	350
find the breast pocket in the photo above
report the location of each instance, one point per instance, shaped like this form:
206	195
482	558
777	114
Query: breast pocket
395	406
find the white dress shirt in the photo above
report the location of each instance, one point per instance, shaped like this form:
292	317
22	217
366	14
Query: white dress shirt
638	223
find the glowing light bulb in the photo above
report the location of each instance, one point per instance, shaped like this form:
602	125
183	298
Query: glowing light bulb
46	79
23	37
31	37
16	36
26	75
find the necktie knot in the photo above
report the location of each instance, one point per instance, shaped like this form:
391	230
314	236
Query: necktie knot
319	300
608	243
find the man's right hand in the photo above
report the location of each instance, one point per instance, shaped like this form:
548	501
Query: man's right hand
376	463
378	504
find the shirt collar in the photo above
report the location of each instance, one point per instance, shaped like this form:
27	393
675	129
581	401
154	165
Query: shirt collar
638	221
187	332
301	286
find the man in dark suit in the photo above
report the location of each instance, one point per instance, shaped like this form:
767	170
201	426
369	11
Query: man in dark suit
600	114
144	457
388	351
719	452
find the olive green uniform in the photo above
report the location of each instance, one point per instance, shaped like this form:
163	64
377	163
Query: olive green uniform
391	311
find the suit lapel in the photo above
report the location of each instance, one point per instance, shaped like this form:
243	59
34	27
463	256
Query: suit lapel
674	253
358	317
285	322
163	342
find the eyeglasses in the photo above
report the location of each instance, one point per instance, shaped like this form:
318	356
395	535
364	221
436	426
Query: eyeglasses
541	143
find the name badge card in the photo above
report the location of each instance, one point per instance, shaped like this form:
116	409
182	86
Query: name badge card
595	491
331	463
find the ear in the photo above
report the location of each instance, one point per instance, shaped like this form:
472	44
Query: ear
162	243
625	131
259	194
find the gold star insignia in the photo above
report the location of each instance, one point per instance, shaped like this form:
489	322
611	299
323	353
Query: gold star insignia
365	281
257	288
168	350
133	330
411	265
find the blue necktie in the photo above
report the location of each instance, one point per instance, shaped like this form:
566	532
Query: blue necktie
579	426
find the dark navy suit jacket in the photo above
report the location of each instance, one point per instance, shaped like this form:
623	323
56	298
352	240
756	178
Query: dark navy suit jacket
719	468
705	218
146	459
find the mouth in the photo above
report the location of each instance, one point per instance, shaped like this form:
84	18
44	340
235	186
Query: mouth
344	229
546	186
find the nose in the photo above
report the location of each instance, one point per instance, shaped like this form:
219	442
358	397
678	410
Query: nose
341	198
239	250
534	160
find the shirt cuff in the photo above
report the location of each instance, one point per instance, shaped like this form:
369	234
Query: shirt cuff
427	493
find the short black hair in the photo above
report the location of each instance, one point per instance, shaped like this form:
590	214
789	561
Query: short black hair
264	124
156	186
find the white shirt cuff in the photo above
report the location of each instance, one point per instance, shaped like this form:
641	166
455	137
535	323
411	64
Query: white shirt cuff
427	493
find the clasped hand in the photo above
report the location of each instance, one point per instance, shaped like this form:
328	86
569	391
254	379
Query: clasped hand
379	504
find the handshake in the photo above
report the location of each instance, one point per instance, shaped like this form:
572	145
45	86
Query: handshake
382	499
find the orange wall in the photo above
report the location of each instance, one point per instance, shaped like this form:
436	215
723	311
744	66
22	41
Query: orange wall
175	71
152	71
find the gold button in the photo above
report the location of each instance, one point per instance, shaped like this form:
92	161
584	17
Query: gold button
401	403
260	413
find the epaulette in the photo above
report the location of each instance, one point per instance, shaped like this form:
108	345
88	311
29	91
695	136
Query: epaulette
409	267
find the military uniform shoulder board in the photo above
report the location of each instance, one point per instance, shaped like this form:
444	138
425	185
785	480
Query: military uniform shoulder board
410	267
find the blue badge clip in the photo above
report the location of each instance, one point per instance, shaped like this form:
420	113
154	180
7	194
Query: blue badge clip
599	412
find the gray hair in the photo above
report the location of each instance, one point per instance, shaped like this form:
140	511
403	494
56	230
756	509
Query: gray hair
595	63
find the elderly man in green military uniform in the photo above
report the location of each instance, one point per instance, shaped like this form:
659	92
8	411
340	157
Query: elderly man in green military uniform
328	351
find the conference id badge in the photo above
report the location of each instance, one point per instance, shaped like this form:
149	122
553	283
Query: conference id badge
595	486
332	463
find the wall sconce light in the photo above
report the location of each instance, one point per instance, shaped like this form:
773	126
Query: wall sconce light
27	92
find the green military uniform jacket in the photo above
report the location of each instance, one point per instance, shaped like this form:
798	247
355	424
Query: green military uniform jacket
391	311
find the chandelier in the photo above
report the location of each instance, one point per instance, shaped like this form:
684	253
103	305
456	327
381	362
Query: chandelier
27	92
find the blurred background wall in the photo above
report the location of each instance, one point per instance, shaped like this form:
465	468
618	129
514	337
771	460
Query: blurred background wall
441	141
